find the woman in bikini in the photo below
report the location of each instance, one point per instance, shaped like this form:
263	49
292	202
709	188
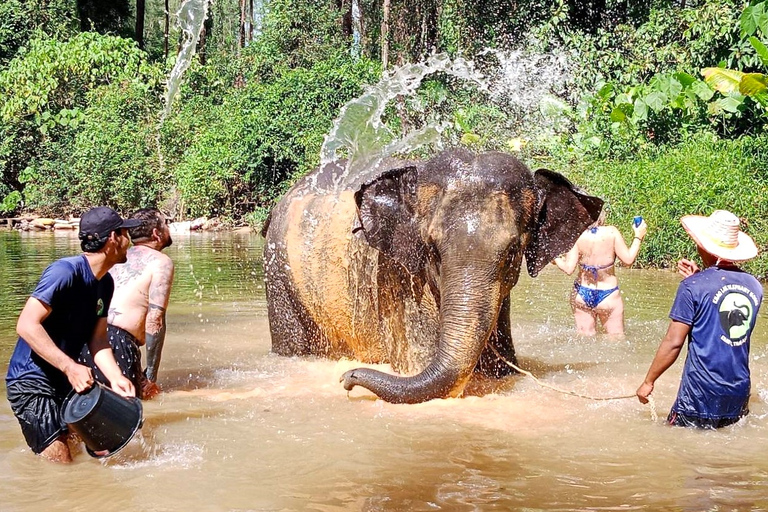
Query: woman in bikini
596	290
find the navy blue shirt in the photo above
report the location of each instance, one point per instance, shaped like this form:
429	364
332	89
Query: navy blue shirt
77	300
720	305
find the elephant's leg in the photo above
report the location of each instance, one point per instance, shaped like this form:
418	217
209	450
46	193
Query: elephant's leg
501	340
293	330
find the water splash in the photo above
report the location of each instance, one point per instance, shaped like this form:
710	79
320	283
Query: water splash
360	135
189	19
525	86
532	88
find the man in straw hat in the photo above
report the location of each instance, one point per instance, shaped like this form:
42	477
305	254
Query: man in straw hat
67	309
716	309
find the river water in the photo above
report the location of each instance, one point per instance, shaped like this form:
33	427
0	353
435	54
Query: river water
238	428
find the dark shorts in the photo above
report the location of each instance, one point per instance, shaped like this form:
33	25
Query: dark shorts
682	420
37	406
125	348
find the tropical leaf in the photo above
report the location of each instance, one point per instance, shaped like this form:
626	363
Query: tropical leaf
749	20
729	104
753	84
702	90
618	115
640	111
685	79
605	91
761	50
723	80
656	100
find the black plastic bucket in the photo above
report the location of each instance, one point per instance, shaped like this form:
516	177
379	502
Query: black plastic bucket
104	420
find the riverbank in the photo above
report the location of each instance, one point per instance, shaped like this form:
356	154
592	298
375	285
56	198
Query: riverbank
35	223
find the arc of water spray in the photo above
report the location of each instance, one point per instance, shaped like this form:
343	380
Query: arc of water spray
362	135
190	19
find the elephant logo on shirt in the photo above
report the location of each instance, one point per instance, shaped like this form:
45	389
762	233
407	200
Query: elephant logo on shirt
736	317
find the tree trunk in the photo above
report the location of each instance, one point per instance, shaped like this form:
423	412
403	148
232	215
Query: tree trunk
167	29
242	23
345	7
250	20
203	39
140	8
385	36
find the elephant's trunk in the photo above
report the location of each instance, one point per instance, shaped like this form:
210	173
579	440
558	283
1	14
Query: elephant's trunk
469	308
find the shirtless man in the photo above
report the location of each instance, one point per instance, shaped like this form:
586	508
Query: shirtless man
596	293
142	290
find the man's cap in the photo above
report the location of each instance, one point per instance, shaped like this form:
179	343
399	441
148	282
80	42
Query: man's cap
99	222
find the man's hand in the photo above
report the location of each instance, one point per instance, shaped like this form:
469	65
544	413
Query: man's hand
79	376
123	386
644	391
686	267
149	389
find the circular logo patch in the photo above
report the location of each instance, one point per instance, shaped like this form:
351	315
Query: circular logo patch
736	317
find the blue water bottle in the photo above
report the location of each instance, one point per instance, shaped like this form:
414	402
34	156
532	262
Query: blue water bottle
637	220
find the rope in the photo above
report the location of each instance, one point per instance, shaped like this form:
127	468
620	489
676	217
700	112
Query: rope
555	388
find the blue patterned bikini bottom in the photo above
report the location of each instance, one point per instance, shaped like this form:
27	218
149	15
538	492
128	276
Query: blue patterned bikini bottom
591	296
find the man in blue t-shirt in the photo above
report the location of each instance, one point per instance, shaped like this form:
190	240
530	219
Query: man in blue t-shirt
67	310
715	309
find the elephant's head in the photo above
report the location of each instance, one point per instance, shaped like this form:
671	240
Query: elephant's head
462	223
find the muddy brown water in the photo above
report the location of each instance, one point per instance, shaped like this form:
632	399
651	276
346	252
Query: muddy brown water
238	428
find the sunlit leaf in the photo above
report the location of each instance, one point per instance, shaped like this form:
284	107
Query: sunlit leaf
618	115
605	91
702	90
640	110
730	104
761	98
722	80
656	100
668	85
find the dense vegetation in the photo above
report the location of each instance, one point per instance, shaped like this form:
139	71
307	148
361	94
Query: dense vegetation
662	110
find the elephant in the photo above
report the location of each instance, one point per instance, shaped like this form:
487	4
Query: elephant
413	265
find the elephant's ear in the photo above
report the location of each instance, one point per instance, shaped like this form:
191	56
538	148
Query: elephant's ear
386	212
564	212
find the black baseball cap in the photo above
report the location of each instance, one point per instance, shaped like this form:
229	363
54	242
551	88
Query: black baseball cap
99	222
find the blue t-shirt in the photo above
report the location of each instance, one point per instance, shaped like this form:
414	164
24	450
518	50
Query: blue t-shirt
77	300
720	305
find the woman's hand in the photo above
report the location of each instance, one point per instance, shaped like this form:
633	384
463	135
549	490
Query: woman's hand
641	230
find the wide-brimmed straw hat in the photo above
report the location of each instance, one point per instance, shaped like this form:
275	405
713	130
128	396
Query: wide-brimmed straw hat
719	235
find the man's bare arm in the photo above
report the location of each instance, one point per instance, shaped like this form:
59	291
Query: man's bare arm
666	355
30	327
159	295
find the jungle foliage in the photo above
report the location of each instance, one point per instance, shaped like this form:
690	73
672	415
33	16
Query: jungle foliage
662	112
